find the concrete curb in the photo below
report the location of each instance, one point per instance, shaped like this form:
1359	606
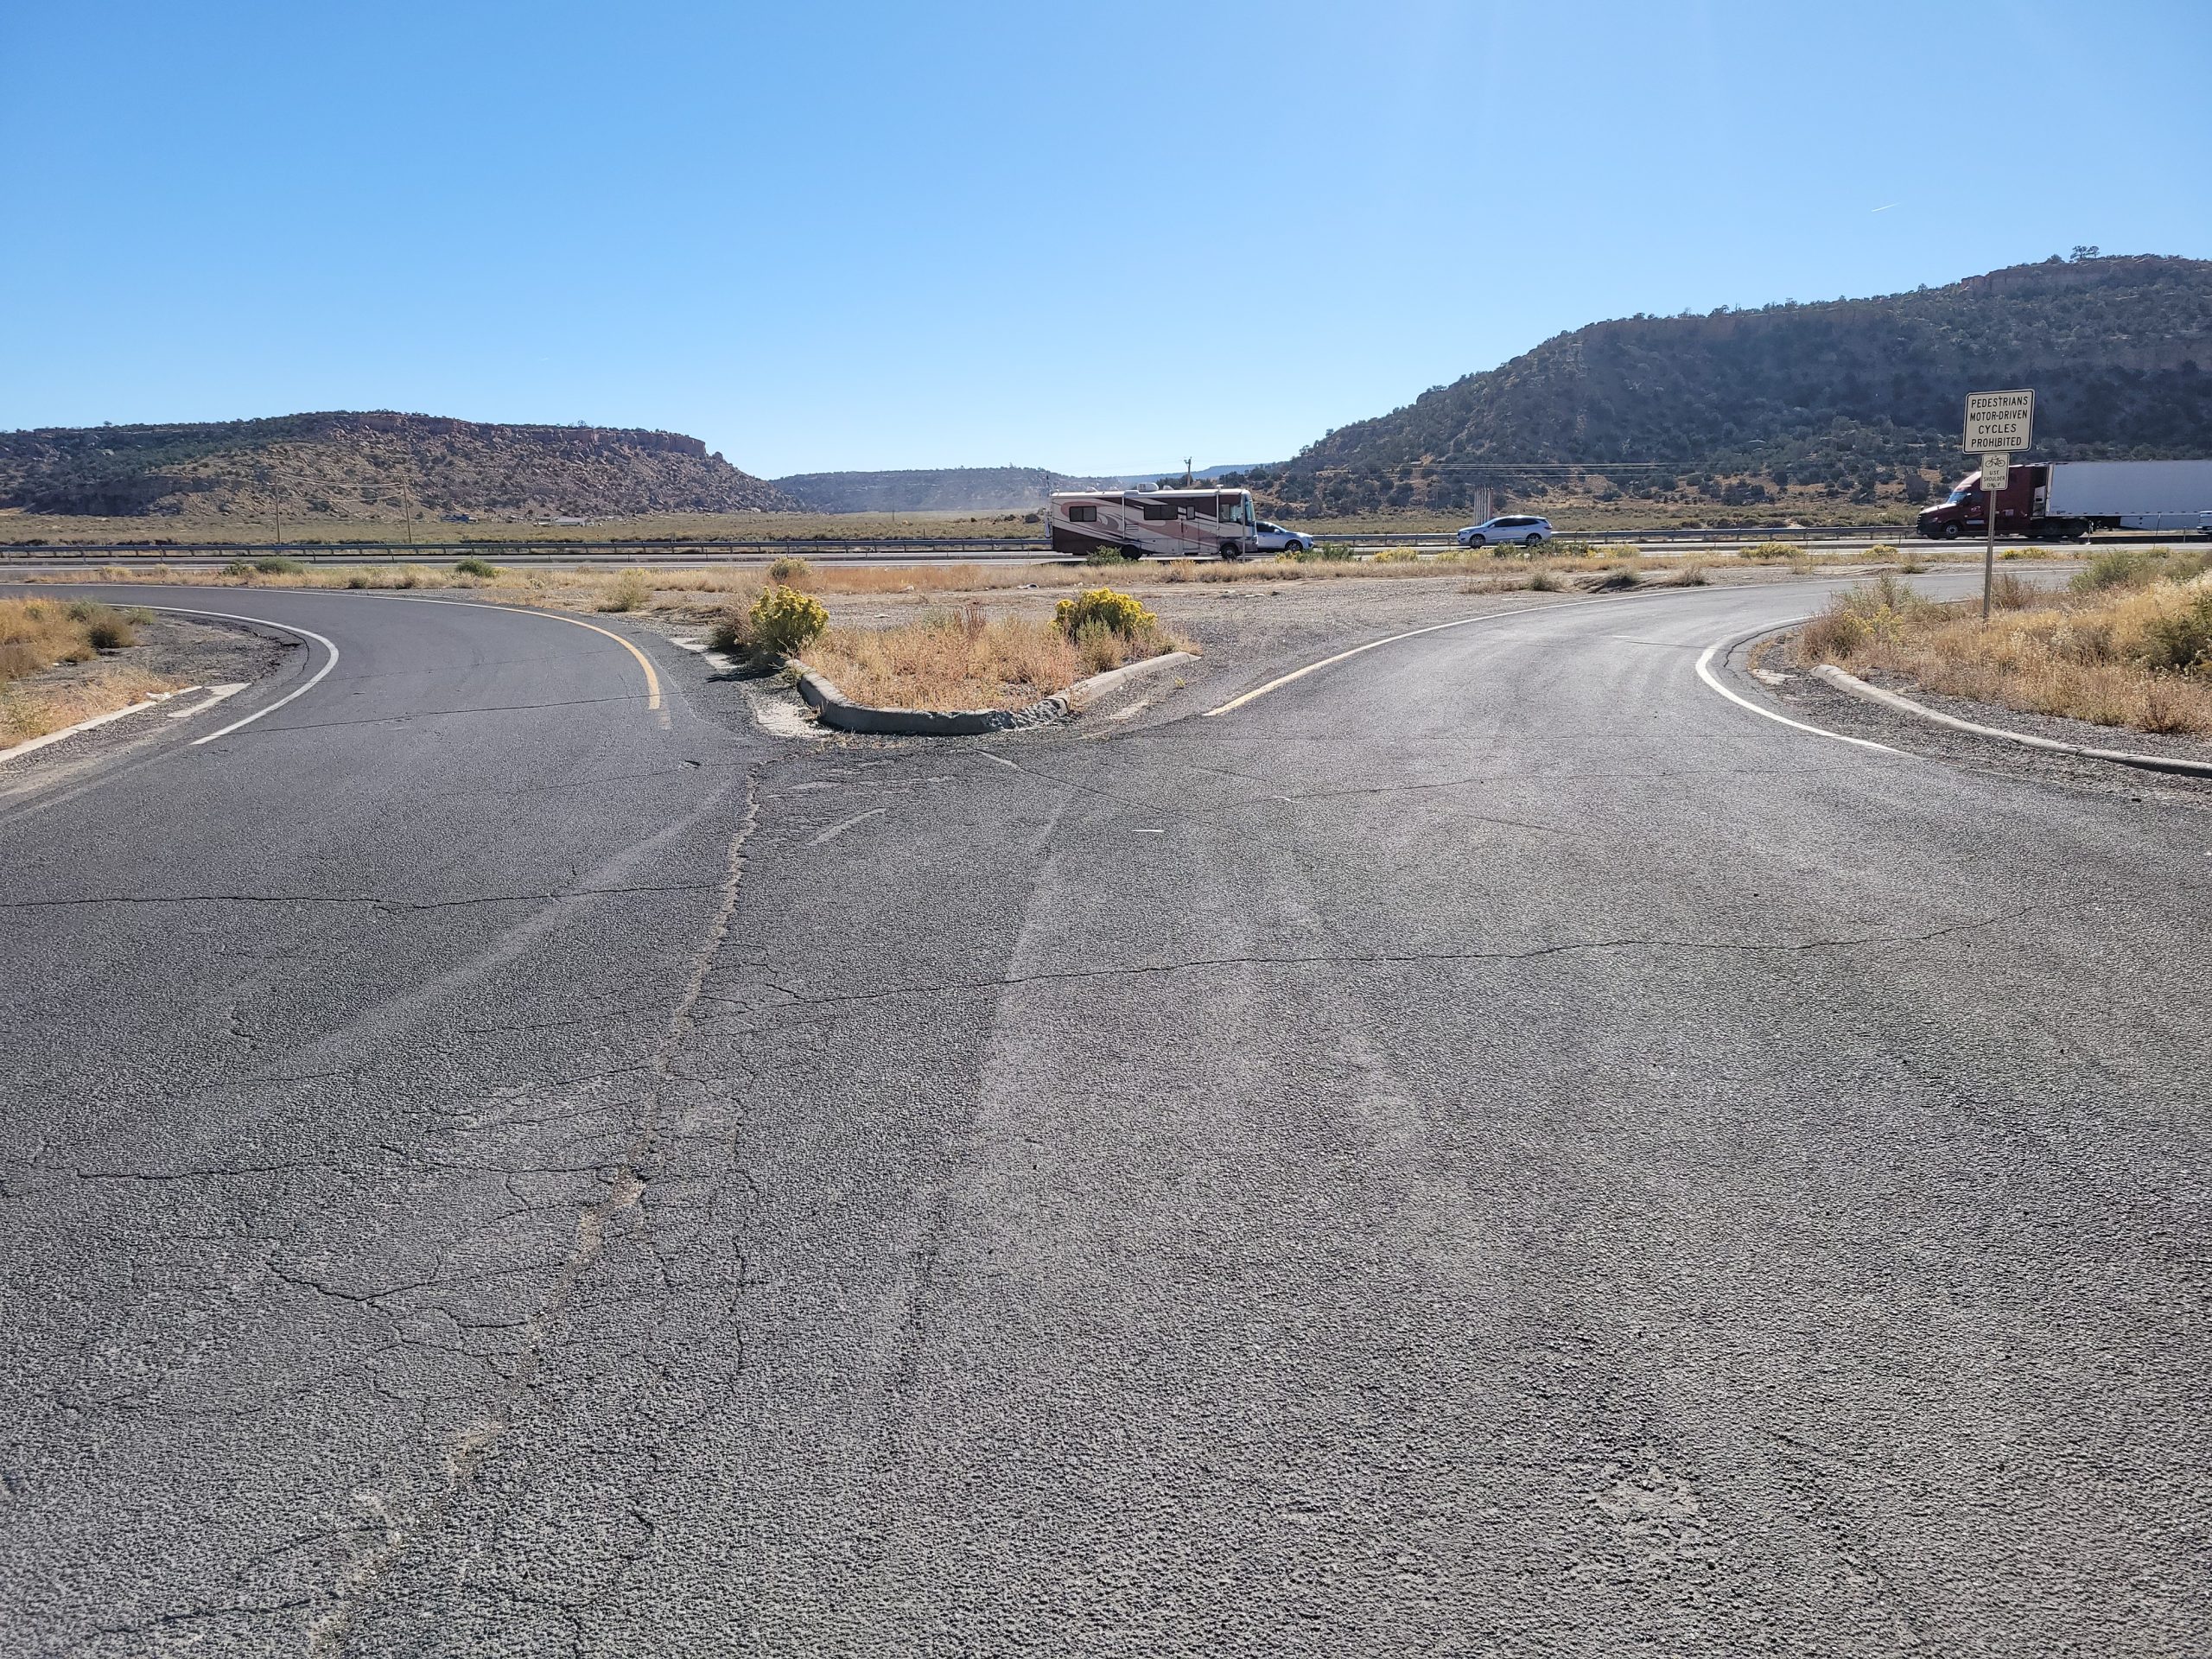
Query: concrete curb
838	710
31	745
1858	688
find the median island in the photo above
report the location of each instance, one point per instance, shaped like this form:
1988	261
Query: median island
954	659
2128	644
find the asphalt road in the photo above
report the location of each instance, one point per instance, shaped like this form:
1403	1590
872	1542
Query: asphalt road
1487	1148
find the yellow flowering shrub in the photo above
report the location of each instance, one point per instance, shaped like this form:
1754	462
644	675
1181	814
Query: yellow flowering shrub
1103	609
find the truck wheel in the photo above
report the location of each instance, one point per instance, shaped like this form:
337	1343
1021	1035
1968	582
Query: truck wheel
1951	532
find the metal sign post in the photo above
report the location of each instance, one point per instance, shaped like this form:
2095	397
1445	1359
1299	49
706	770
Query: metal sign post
1996	471
1998	423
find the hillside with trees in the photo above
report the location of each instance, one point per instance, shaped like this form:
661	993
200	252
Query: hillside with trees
1793	405
376	466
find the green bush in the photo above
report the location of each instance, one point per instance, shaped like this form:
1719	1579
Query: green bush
1319	553
786	621
474	566
1852	618
276	564
1107	556
1882	550
237	567
1397	556
1101	608
1770	551
107	629
2179	641
789	572
2139	567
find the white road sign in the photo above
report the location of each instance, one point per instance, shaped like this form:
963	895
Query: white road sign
2000	420
1994	468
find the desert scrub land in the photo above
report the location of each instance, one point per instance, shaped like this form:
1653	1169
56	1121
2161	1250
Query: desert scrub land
2128	644
483	534
55	667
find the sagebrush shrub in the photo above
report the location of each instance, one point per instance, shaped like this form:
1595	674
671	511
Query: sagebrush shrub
789	572
628	591
109	630
1101	608
473	566
786	621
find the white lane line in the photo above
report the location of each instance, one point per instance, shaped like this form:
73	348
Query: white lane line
1278	683
301	691
1705	672
837	830
148	701
215	694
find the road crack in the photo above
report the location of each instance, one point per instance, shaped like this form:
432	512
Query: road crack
470	1445
1387	958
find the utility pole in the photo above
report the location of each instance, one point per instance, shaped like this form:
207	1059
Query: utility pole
407	479
1188	480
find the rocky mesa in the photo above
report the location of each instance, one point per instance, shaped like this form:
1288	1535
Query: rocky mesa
376	466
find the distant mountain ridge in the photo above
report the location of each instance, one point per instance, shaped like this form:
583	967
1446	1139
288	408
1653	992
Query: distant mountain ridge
368	466
1858	398
927	489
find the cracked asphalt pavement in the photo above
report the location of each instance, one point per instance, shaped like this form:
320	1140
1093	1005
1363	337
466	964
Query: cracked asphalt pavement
1488	1148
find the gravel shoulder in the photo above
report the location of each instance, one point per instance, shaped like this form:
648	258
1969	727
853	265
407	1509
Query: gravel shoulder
179	651
1808	698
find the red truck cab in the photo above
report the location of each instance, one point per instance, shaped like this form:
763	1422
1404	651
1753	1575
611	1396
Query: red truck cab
2019	506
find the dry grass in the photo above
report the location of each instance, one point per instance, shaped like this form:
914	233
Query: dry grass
28	710
40	638
2138	657
962	659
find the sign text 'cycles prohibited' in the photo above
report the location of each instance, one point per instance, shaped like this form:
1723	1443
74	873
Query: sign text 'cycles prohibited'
2000	420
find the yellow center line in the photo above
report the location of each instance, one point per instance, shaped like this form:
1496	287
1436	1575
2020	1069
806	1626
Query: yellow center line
652	680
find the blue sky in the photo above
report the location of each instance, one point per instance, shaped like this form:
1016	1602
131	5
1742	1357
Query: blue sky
1086	236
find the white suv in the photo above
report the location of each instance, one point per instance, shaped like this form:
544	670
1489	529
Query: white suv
1501	532
1274	538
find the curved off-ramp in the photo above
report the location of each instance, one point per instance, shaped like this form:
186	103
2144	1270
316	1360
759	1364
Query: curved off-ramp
1488	1147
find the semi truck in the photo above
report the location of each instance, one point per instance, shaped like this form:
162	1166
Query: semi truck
1156	524
2063	500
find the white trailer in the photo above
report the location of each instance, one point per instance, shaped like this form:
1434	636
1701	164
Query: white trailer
1153	523
2131	494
